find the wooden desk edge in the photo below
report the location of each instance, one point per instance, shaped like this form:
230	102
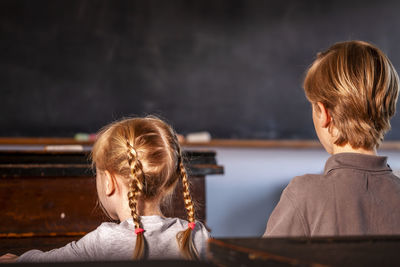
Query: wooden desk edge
257	253
234	143
254	254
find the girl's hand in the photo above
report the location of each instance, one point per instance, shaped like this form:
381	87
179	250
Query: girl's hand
7	258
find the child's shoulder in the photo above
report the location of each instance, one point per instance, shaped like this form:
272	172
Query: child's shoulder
305	185
182	224
305	181
113	230
175	225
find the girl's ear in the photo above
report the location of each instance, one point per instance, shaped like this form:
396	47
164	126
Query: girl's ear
322	115
109	183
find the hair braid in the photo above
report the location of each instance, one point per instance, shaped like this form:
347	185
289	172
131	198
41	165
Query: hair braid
135	190
186	193
185	238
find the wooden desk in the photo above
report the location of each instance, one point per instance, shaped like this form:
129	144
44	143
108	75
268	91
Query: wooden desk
48	199
337	251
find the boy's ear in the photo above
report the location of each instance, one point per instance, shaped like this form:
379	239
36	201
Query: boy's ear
324	118
109	183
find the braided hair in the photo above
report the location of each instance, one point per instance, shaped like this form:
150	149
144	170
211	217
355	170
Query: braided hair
146	152
184	238
135	189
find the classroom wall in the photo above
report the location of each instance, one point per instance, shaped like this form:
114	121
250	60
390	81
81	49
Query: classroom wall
240	201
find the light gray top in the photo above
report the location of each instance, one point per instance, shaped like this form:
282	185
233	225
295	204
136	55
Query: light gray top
111	241
356	195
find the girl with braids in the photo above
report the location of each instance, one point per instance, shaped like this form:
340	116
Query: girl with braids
138	164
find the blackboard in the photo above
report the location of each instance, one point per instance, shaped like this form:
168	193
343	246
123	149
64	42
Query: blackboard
231	67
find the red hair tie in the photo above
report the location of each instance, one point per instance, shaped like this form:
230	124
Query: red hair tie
192	225
139	231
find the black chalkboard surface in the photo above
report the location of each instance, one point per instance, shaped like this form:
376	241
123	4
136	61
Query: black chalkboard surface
231	67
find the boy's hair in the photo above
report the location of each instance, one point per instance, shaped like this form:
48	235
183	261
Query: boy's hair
146	152
358	85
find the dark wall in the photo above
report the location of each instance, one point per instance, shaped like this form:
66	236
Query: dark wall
233	68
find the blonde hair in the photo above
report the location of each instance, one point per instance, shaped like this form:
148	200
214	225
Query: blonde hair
146	152
358	85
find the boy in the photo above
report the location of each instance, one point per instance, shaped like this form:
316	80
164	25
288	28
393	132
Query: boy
353	90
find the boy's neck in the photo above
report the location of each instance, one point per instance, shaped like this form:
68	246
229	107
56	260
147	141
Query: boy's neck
349	149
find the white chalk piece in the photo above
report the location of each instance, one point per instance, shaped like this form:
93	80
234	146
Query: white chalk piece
63	148
199	137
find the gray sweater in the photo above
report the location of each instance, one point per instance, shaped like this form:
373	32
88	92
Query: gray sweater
356	195
111	241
